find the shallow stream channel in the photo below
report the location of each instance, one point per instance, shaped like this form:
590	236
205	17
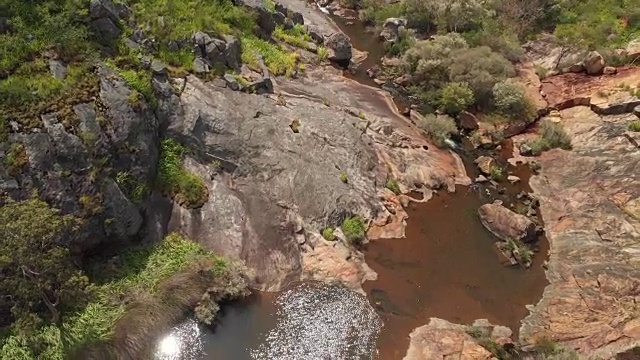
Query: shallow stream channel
447	267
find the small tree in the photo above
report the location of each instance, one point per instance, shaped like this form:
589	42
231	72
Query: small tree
353	229
511	100
439	128
39	277
456	97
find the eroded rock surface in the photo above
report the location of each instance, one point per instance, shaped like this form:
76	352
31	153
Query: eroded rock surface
280	187
506	224
440	339
590	202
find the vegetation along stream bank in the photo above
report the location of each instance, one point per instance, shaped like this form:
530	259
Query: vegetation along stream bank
340	179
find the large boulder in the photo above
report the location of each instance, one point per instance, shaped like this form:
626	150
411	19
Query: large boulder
440	339
506	224
391	28
467	121
103	9
340	47
633	50
594	63
485	164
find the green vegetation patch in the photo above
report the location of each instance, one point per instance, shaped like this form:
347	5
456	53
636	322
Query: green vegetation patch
439	128
131	279
279	61
353	229
392	185
634	126
328	234
296	36
186	188
552	136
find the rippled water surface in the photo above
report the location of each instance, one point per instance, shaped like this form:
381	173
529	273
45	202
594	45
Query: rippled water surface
307	321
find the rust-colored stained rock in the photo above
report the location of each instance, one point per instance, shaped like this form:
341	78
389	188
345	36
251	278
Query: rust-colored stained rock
589	201
468	121
440	339
569	90
390	224
505	223
485	164
527	76
334	261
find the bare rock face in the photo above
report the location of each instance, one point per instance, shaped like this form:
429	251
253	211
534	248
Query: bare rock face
589	198
505	223
594	63
485	164
440	339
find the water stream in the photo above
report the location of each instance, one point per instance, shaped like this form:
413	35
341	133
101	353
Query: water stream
446	267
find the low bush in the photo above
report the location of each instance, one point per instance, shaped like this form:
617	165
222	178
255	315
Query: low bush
327	233
552	136
439	128
279	61
404	42
456	97
185	187
296	36
353	229
344	177
496	173
511	100
392	185
634	126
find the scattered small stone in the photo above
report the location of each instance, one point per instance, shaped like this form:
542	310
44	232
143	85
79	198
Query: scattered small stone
58	70
231	81
513	179
158	67
610	70
481	179
526	150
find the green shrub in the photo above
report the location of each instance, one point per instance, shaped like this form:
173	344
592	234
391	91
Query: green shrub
344	177
140	81
496	173
279	61
402	44
439	128
327	233
353	229
16	158
552	136
481	69
296	36
186	187
634	126
392	185
456	97
511	100
323	53
377	11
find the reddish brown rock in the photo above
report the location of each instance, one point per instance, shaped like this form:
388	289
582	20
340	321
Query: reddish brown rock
506	224
468	121
590	202
440	339
485	163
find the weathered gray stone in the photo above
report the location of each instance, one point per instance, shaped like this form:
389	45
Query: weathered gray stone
106	28
232	83
158	67
296	17
200	65
340	47
232	52
103	9
279	17
57	68
594	63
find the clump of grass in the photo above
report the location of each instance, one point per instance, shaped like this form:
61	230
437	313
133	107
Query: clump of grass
496	173
344	177
392	185
353	229
328	234
279	61
295	126
552	136
520	251
634	126
16	158
325	102
140	81
296	36
187	188
323	53
91	204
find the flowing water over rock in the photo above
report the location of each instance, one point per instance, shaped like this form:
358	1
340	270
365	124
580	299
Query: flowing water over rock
307	321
